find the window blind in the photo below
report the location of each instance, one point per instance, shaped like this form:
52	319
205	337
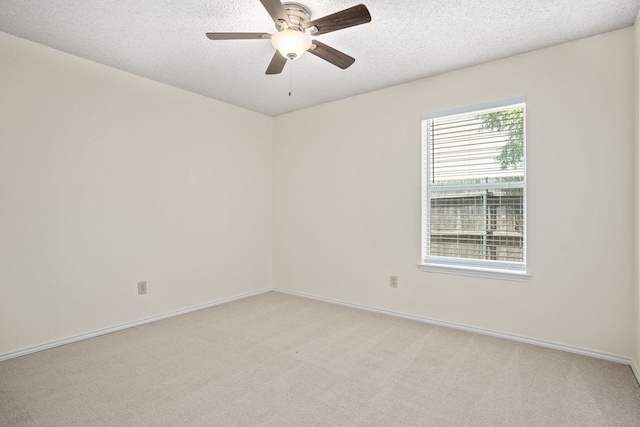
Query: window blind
474	175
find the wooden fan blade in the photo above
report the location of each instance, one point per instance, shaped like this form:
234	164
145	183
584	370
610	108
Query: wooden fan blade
332	55
277	12
238	36
277	64
355	15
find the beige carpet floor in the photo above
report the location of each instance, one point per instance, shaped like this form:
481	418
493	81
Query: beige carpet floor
280	360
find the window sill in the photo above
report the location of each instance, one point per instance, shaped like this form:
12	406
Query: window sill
512	275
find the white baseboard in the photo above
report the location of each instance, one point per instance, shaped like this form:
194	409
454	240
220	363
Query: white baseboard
93	334
541	343
636	371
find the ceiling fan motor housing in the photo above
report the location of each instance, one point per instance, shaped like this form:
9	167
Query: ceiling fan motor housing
292	40
299	15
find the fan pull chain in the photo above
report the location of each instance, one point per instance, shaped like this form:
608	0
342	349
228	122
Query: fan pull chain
290	77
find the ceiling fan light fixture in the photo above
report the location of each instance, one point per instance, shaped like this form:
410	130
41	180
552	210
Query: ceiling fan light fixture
295	29
291	43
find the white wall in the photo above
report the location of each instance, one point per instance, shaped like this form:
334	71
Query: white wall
636	331
347	198
107	179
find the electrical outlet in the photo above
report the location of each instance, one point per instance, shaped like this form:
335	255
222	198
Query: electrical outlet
393	281
142	288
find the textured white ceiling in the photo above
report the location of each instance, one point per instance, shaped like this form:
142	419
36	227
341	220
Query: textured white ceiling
164	40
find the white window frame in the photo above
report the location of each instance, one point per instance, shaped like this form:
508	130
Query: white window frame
504	270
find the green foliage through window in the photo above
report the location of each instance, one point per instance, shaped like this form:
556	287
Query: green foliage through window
512	122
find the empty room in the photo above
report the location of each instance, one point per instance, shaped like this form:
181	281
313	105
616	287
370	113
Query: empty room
320	213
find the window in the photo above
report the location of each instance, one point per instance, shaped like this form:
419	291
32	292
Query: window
474	198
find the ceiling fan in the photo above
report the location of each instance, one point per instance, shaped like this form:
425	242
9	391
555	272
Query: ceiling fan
295	28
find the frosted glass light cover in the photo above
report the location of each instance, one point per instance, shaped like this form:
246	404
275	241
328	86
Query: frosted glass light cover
291	43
